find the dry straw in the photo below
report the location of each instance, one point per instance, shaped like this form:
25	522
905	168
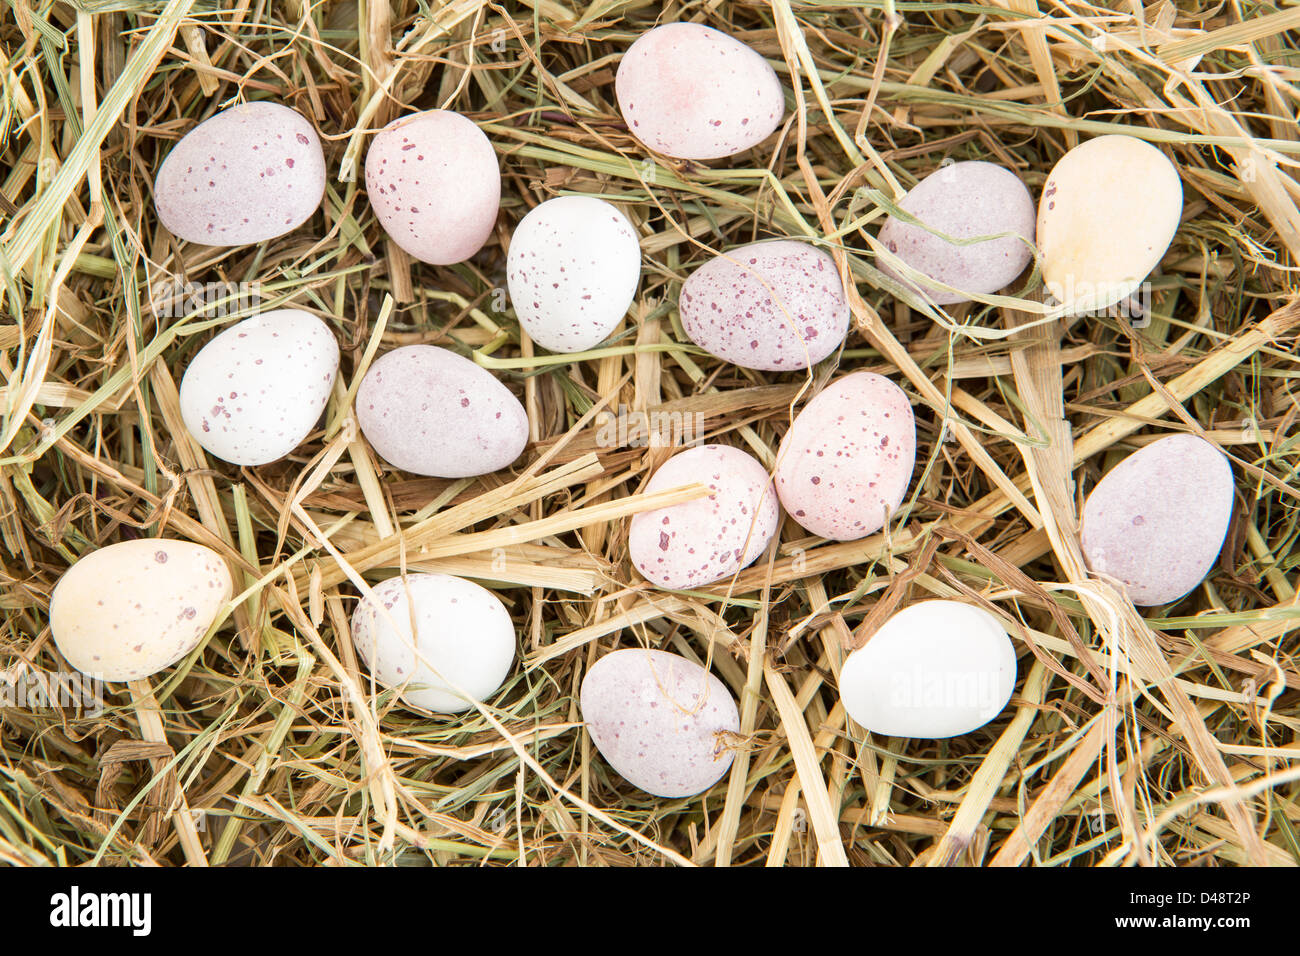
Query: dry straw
1167	737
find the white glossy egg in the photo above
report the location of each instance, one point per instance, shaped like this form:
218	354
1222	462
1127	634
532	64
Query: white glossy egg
463	642
934	669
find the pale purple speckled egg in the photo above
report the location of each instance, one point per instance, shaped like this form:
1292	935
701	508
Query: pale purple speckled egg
693	92
660	720
776	306
463	638
1157	520
844	466
572	270
964	200
427	410
126	611
252	394
702	541
246	175
434	183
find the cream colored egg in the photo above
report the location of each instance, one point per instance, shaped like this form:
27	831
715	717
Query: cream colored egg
130	609
1109	210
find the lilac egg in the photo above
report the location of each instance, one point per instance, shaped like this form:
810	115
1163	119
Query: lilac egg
246	175
777	306
1157	520
962	201
660	720
693	92
434	183
707	539
844	466
427	410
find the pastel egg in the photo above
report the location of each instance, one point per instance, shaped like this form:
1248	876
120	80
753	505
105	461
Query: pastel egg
427	410
127	610
934	669
844	466
1156	522
693	92
253	393
246	175
572	270
1109	210
776	306
963	201
463	640
707	539
661	721
434	184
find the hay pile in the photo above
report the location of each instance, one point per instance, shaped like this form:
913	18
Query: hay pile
1168	738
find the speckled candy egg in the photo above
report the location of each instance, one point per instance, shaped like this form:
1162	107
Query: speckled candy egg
427	410
660	720
1109	209
253	393
845	464
689	91
963	201
434	183
775	306
130	609
1157	520
465	639
702	541
246	175
935	669
572	270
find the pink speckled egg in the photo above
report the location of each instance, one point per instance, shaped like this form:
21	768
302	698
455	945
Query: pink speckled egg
572	270
660	720
427	410
935	669
435	185
252	394
126	611
689	91
845	464
702	541
1157	520
246	175
463	638
776	306
963	201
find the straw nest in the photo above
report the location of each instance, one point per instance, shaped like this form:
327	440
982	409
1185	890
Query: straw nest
1164	737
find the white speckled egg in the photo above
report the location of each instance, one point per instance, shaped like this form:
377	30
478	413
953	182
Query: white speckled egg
130	609
434	183
1109	210
252	394
702	541
466	640
964	200
660	720
776	306
572	270
246	175
935	669
427	410
845	464
689	91
1157	520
